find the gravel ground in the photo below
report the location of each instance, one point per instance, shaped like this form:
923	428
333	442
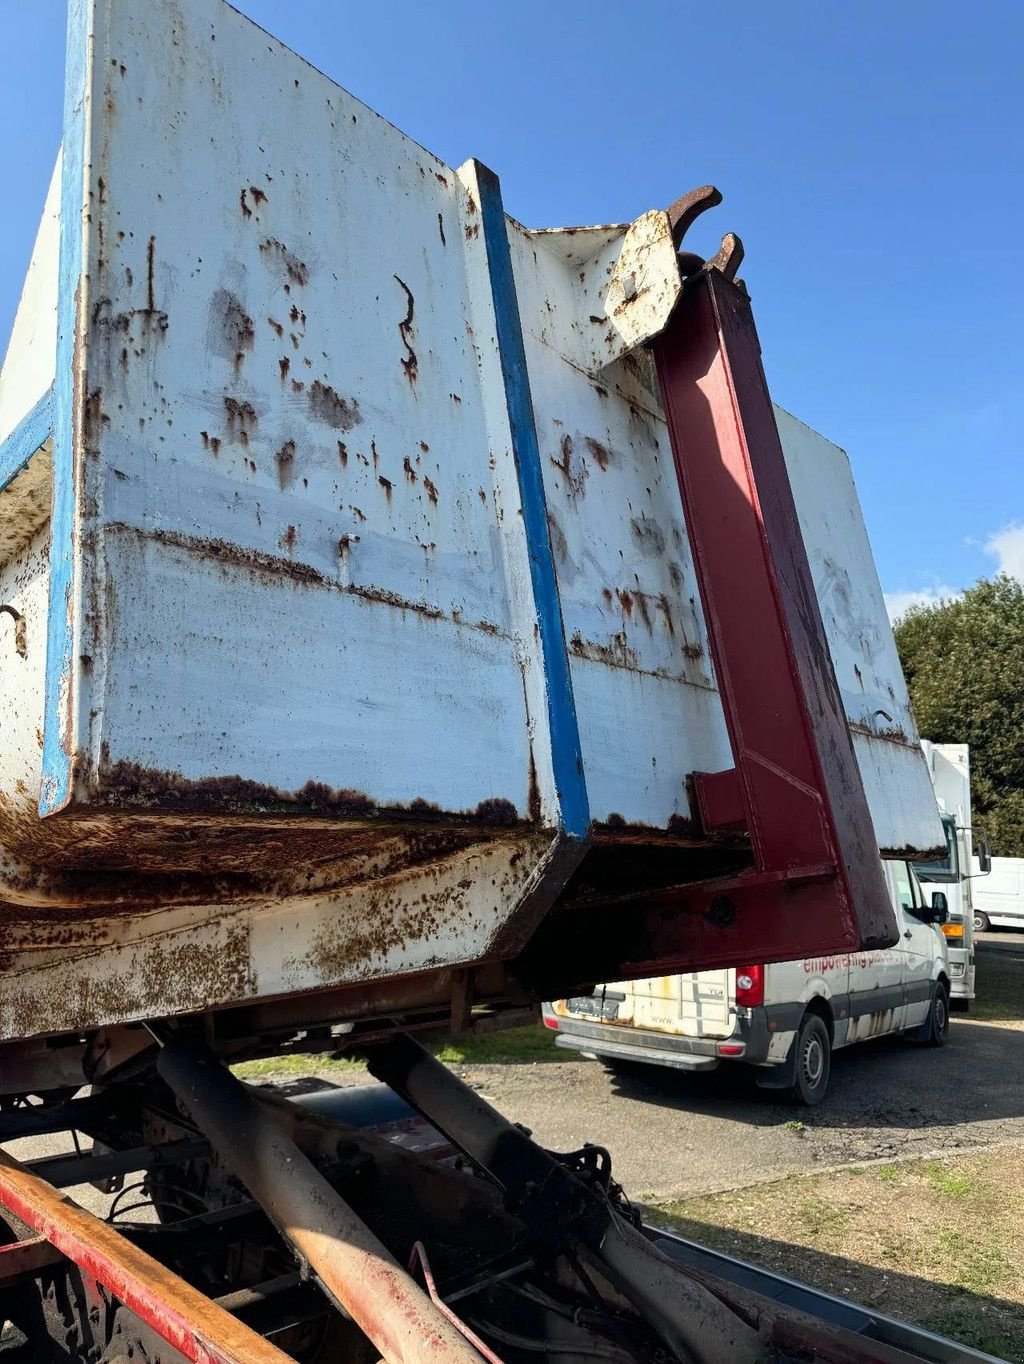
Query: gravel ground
936	1242
673	1136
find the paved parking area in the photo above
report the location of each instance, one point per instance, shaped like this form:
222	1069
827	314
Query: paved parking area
672	1135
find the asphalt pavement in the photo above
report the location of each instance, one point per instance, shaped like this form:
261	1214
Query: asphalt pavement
672	1135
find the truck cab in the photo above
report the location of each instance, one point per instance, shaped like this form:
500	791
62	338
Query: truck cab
949	874
786	1018
949	765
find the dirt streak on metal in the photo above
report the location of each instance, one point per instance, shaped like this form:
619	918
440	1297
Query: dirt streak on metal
410	364
285	460
276	251
31	894
98	865
240	836
575	471
678	828
331	409
602	455
894	734
185	971
617	653
123	784
233	558
179	977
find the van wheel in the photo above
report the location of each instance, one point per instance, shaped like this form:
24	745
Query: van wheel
938	1017
813	1062
981	922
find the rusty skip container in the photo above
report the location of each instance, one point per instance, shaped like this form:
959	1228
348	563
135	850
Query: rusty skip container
347	596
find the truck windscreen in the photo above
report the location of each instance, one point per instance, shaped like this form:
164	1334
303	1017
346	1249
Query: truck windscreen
946	868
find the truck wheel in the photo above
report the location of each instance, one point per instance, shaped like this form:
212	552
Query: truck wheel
938	1017
981	922
813	1061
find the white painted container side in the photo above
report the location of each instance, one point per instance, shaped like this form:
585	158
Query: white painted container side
648	707
285	440
860	640
329	671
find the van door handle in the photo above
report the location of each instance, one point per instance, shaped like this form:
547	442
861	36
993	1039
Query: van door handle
906	933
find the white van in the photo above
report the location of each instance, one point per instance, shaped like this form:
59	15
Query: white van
998	896
787	1018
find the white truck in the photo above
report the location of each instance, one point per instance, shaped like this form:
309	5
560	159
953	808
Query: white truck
950	769
998	895
785	1019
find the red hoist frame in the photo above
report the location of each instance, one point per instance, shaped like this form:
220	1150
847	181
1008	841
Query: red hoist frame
816	884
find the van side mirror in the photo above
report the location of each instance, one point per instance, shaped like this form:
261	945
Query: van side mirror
940	907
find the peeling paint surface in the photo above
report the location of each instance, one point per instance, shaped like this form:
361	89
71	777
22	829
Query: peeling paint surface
280	674
258	497
189	960
860	640
648	710
647	701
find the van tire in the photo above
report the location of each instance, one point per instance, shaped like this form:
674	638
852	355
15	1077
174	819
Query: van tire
938	1016
982	923
813	1058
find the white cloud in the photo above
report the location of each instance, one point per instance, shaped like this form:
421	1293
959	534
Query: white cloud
1007	548
899	603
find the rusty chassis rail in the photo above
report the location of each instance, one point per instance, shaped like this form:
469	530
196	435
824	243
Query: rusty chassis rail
197	1328
564	1206
354	1267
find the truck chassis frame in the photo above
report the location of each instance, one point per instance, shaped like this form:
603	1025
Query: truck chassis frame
295	1249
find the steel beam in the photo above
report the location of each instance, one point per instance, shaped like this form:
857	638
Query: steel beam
23	1259
354	1267
179	1313
795	785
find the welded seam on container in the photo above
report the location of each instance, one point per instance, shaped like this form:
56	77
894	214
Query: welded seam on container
31	433
55	789
566	754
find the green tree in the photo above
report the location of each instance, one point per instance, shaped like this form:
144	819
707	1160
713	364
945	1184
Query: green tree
964	664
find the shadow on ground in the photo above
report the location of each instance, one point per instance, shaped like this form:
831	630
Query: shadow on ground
975	1319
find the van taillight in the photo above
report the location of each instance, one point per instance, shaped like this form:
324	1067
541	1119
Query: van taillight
749	986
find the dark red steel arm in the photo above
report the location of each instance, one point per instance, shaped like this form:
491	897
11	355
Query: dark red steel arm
795	786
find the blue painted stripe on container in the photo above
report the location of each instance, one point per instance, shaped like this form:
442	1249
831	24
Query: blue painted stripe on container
566	756
55	790
34	430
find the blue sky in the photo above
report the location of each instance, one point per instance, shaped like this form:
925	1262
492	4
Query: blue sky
870	158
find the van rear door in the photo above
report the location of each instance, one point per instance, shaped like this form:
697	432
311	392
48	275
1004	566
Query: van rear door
700	1004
